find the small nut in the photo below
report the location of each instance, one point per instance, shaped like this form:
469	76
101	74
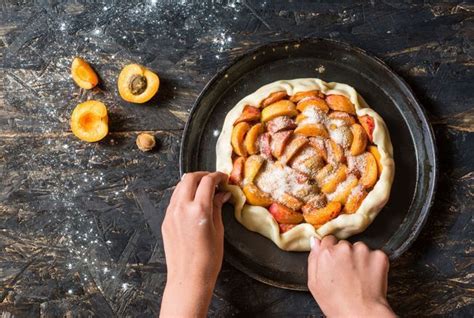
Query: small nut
145	142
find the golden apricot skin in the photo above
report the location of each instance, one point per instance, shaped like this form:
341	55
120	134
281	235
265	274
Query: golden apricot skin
83	74
250	140
252	167
290	201
308	94
295	145
340	103
89	121
345	117
369	125
255	196
299	118
237	173
375	152
323	215
137	84
370	172
312	130
285	215
249	114
330	183
274	97
354	200
237	138
359	140
343	193
315	102
281	108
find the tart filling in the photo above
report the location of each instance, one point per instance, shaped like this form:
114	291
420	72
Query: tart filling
305	158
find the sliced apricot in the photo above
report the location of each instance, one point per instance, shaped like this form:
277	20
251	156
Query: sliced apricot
295	145
369	172
255	196
83	74
335	152
355	199
312	130
274	97
281	108
290	201
280	123
249	113
237	138
368	123
283	214
320	216
319	144
250	140
342	116
324	173
359	140
279	142
344	189
252	167
264	145
340	103
375	152
89	121
237	173
308	161
331	182
137	84
315	102
300	118
303	95
285	227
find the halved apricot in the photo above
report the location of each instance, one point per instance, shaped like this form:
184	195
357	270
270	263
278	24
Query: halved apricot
237	138
315	102
255	196
359	140
283	214
368	123
83	74
340	103
312	130
274	97
252	167
331	182
249	113
281	108
137	84
355	199
237	173
369	172
89	121
375	151
295	145
320	216
308	94
250	141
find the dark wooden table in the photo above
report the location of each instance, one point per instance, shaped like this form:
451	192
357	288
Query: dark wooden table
80	223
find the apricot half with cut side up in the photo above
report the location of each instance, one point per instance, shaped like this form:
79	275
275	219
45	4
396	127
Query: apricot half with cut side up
83	74
89	121
137	84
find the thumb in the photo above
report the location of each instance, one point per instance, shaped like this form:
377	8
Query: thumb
219	200
315	244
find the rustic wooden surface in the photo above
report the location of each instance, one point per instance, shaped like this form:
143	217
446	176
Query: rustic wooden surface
80	223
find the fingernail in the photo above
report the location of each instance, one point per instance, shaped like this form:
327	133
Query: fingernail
182	177
312	242
226	197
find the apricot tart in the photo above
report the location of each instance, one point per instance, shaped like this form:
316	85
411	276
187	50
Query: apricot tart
305	158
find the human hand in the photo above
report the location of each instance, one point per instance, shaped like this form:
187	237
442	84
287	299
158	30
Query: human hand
348	280
193	238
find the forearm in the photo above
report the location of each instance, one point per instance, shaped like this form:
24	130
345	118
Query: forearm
183	298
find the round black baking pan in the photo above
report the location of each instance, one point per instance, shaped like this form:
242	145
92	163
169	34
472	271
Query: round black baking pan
399	222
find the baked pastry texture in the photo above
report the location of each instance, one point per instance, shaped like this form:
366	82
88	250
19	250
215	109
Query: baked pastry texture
305	158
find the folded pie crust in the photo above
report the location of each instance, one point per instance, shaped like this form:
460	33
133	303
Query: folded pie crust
258	219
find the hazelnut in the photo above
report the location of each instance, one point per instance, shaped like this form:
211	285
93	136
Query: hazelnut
145	142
